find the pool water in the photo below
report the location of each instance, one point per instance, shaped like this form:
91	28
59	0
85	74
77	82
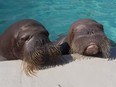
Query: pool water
58	15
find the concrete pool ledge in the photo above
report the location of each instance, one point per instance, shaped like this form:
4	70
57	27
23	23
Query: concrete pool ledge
87	72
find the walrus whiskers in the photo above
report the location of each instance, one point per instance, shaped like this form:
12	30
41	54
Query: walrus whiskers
39	57
100	39
105	48
29	41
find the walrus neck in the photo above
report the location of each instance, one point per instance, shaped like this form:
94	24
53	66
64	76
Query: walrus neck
5	49
9	54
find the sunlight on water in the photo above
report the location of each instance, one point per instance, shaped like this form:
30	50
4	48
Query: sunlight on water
58	15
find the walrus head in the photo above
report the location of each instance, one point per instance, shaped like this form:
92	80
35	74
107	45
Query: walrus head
87	37
28	40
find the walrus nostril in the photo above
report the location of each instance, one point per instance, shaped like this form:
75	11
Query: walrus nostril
92	32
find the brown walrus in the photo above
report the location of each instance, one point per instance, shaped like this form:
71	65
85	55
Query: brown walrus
87	37
28	40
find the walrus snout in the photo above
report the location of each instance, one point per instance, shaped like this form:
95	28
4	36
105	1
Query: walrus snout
92	49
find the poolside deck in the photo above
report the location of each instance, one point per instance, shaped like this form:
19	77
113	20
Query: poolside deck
94	72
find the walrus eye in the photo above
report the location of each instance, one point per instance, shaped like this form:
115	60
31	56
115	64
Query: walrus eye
24	38
21	40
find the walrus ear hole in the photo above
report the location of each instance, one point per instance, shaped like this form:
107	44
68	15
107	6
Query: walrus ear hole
46	33
101	27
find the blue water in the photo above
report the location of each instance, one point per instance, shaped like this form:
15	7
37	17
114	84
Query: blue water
58	15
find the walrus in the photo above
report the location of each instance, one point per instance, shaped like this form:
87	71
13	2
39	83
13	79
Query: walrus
29	41
87	37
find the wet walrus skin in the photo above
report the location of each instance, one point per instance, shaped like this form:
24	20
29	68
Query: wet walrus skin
28	40
87	37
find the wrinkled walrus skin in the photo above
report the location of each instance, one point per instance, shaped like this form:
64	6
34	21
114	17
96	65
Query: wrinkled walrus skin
87	37
28	40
